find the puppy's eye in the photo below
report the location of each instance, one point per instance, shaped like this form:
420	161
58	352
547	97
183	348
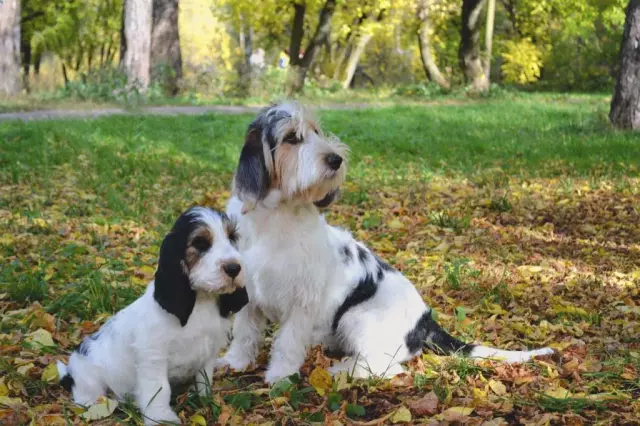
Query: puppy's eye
292	139
233	236
201	243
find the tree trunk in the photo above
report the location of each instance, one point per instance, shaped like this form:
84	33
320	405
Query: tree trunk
625	106
10	47
25	47
469	51
166	57
137	17
424	38
488	38
300	67
354	58
245	74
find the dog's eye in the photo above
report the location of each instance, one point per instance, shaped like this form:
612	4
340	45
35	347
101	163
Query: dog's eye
233	235
201	243
292	139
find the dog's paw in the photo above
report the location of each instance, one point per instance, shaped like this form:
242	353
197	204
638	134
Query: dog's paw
276	373
232	362
161	417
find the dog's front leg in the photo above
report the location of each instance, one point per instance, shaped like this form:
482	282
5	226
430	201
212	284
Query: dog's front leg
203	378
290	346
248	329
154	393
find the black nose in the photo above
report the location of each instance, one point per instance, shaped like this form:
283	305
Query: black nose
334	161
232	269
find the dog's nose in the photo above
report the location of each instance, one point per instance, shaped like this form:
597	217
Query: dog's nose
334	161
232	269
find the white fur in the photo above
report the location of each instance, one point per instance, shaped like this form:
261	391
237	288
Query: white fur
297	276
143	348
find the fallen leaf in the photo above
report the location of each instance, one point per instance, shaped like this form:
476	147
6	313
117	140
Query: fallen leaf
456	413
24	369
425	406
402	415
101	409
50	373
320	379
41	337
558	393
497	387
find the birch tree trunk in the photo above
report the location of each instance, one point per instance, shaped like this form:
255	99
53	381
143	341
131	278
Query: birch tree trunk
469	52
166	57
137	18
10	47
354	58
625	106
424	39
488	38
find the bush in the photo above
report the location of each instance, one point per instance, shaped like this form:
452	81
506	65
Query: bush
522	61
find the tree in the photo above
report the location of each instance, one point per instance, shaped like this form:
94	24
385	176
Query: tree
625	106
10	47
469	52
300	64
488	38
166	57
136	47
424	39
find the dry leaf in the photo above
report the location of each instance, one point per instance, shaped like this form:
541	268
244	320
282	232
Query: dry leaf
402	415
425	406
320	379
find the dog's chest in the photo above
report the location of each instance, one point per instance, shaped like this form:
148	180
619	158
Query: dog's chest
198	342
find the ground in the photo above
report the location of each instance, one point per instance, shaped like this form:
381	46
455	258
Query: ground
517	218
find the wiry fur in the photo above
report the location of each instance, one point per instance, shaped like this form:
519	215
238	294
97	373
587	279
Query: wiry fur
320	284
174	331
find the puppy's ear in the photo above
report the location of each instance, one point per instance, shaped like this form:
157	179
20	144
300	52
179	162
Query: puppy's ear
328	199
172	285
252	179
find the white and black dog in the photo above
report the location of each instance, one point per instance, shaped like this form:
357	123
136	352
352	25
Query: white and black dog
174	331
315	280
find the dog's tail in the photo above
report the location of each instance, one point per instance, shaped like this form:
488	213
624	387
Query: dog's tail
66	380
433	337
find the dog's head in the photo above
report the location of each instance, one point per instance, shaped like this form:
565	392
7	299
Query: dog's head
199	254
286	150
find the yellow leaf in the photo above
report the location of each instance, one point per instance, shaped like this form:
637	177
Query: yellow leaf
147	270
10	402
402	415
50	373
558	393
456	413
570	310
342	380
41	337
395	223
479	396
101	409
4	390
198	420
320	379
497	387
24	369
139	281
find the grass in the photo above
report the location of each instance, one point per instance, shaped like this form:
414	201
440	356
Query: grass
516	217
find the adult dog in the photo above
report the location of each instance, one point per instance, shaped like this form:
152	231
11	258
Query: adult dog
175	330
315	280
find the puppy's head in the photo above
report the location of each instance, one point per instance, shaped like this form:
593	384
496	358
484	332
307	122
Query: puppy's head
199	254
286	150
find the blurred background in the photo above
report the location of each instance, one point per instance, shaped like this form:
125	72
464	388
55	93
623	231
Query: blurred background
232	51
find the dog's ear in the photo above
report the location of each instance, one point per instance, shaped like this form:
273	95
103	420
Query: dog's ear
328	199
252	179
172	284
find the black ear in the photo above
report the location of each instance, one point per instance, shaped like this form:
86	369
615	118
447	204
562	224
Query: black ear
252	178
231	303
172	285
328	199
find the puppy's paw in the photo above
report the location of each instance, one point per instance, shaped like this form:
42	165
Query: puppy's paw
236	363
275	373
161	417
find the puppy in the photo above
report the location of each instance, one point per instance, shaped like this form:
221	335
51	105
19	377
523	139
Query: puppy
320	284
174	331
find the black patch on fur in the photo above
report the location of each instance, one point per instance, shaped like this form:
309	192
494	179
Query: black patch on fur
364	291
252	176
384	265
428	334
67	382
347	256
85	345
363	254
172	285
328	199
231	303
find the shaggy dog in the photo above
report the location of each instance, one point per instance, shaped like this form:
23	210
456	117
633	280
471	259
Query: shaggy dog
319	283
174	331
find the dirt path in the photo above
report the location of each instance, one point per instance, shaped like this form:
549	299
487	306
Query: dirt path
55	114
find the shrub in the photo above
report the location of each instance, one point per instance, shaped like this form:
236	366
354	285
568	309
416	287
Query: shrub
522	61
